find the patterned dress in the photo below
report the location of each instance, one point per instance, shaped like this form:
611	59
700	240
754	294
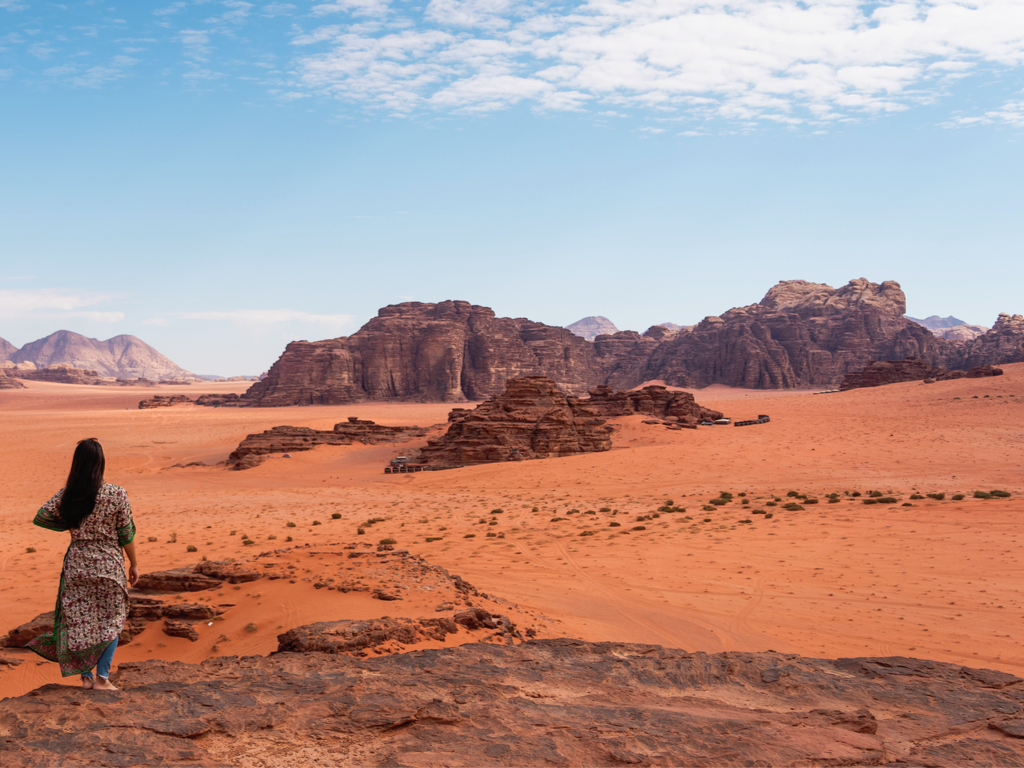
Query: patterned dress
92	602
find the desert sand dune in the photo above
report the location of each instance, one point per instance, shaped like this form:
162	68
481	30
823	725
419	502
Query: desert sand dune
936	579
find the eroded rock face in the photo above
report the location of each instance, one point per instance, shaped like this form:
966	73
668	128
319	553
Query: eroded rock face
177	580
1004	343
879	372
9	382
19	637
800	335
123	356
56	374
652	400
284	439
163	401
531	419
963	332
355	636
553	702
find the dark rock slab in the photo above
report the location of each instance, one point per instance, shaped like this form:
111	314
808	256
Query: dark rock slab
542	703
19	637
177	580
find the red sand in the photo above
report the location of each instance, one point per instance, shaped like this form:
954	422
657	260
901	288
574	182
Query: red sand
939	579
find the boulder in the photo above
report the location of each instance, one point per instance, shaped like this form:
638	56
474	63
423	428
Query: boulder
349	636
19	637
177	580
879	372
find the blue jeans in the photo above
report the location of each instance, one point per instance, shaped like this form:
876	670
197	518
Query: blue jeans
103	665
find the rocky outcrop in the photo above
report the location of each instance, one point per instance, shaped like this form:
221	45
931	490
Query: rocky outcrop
879	372
550	702
1004	343
124	357
176	580
531	419
800	335
654	400
356	636
7	350
9	382
163	401
59	373
19	637
590	328
228	400
292	439
962	332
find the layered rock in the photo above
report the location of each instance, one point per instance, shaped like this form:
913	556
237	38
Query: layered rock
292	439
125	357
590	328
800	335
9	382
163	401
1004	343
550	702
879	372
60	373
531	419
652	400
963	332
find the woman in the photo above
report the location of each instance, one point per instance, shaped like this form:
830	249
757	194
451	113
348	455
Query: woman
92	602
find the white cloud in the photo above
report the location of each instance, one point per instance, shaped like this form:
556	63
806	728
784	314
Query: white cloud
13	5
269	317
277	9
789	61
23	302
1011	113
170	9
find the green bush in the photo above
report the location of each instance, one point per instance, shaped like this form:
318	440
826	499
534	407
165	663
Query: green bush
316	522
360	531
886	500
792	507
916	496
855	494
557	519
191	548
638	528
719	502
811	500
869	501
937	496
30	550
499	511
590	512
1000	494
605	509
757	512
288	539
469	536
434	538
707	519
336	516
833	499
958	497
793	494
982	495
614	525
289	525
771	504
387	541
875	494
746	521
708	508
769	516
586	533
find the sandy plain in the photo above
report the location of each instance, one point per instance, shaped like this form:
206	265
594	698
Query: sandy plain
935	579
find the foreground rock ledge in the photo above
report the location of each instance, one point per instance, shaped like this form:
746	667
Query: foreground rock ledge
549	702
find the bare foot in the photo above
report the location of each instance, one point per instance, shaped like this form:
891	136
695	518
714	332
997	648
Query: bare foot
87	683
102	684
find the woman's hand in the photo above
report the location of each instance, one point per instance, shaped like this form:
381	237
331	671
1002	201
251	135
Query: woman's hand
133	575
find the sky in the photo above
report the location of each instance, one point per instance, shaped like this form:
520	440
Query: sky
220	177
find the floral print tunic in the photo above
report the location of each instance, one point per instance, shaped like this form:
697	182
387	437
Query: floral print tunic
92	602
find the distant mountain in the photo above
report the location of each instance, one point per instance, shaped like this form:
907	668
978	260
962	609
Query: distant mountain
123	357
671	326
7	350
592	327
963	332
936	323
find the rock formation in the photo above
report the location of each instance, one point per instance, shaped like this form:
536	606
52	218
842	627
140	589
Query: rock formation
59	373
962	332
1004	343
123	357
9	382
652	400
879	372
547	702
250	451
7	350
531	419
936	323
163	401
800	335
590	328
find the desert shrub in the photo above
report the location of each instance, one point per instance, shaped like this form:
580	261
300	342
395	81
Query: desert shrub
191	548
387	541
573	511
743	494
669	502
757	512
289	538
558	519
271	537
958	497
1000	494
792	507
493	522
336	516
590	512
719	502
586	533
833	499
614	525
469	536
638	528
707	519
769	516
535	509
605	509
793	494
434	538
869	501
360	531
373	520
937	496
886	500
250	627
492	535
916	496
811	500
746	501
151	538
656	515
746	521
856	494
771	504
499	511
982	495
30	550
906	504
289	525
247	542
316	522
708	508
725	495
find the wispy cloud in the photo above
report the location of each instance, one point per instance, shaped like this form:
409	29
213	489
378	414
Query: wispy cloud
269	316
24	302
1011	113
784	60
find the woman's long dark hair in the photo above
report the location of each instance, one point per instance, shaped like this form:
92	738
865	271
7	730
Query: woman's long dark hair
84	482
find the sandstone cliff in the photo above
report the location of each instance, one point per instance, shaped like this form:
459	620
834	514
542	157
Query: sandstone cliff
122	357
7	350
963	332
1004	343
590	328
879	372
800	334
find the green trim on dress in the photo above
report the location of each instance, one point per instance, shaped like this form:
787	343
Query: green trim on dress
53	646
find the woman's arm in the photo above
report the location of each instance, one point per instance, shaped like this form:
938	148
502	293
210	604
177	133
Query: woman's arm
133	571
